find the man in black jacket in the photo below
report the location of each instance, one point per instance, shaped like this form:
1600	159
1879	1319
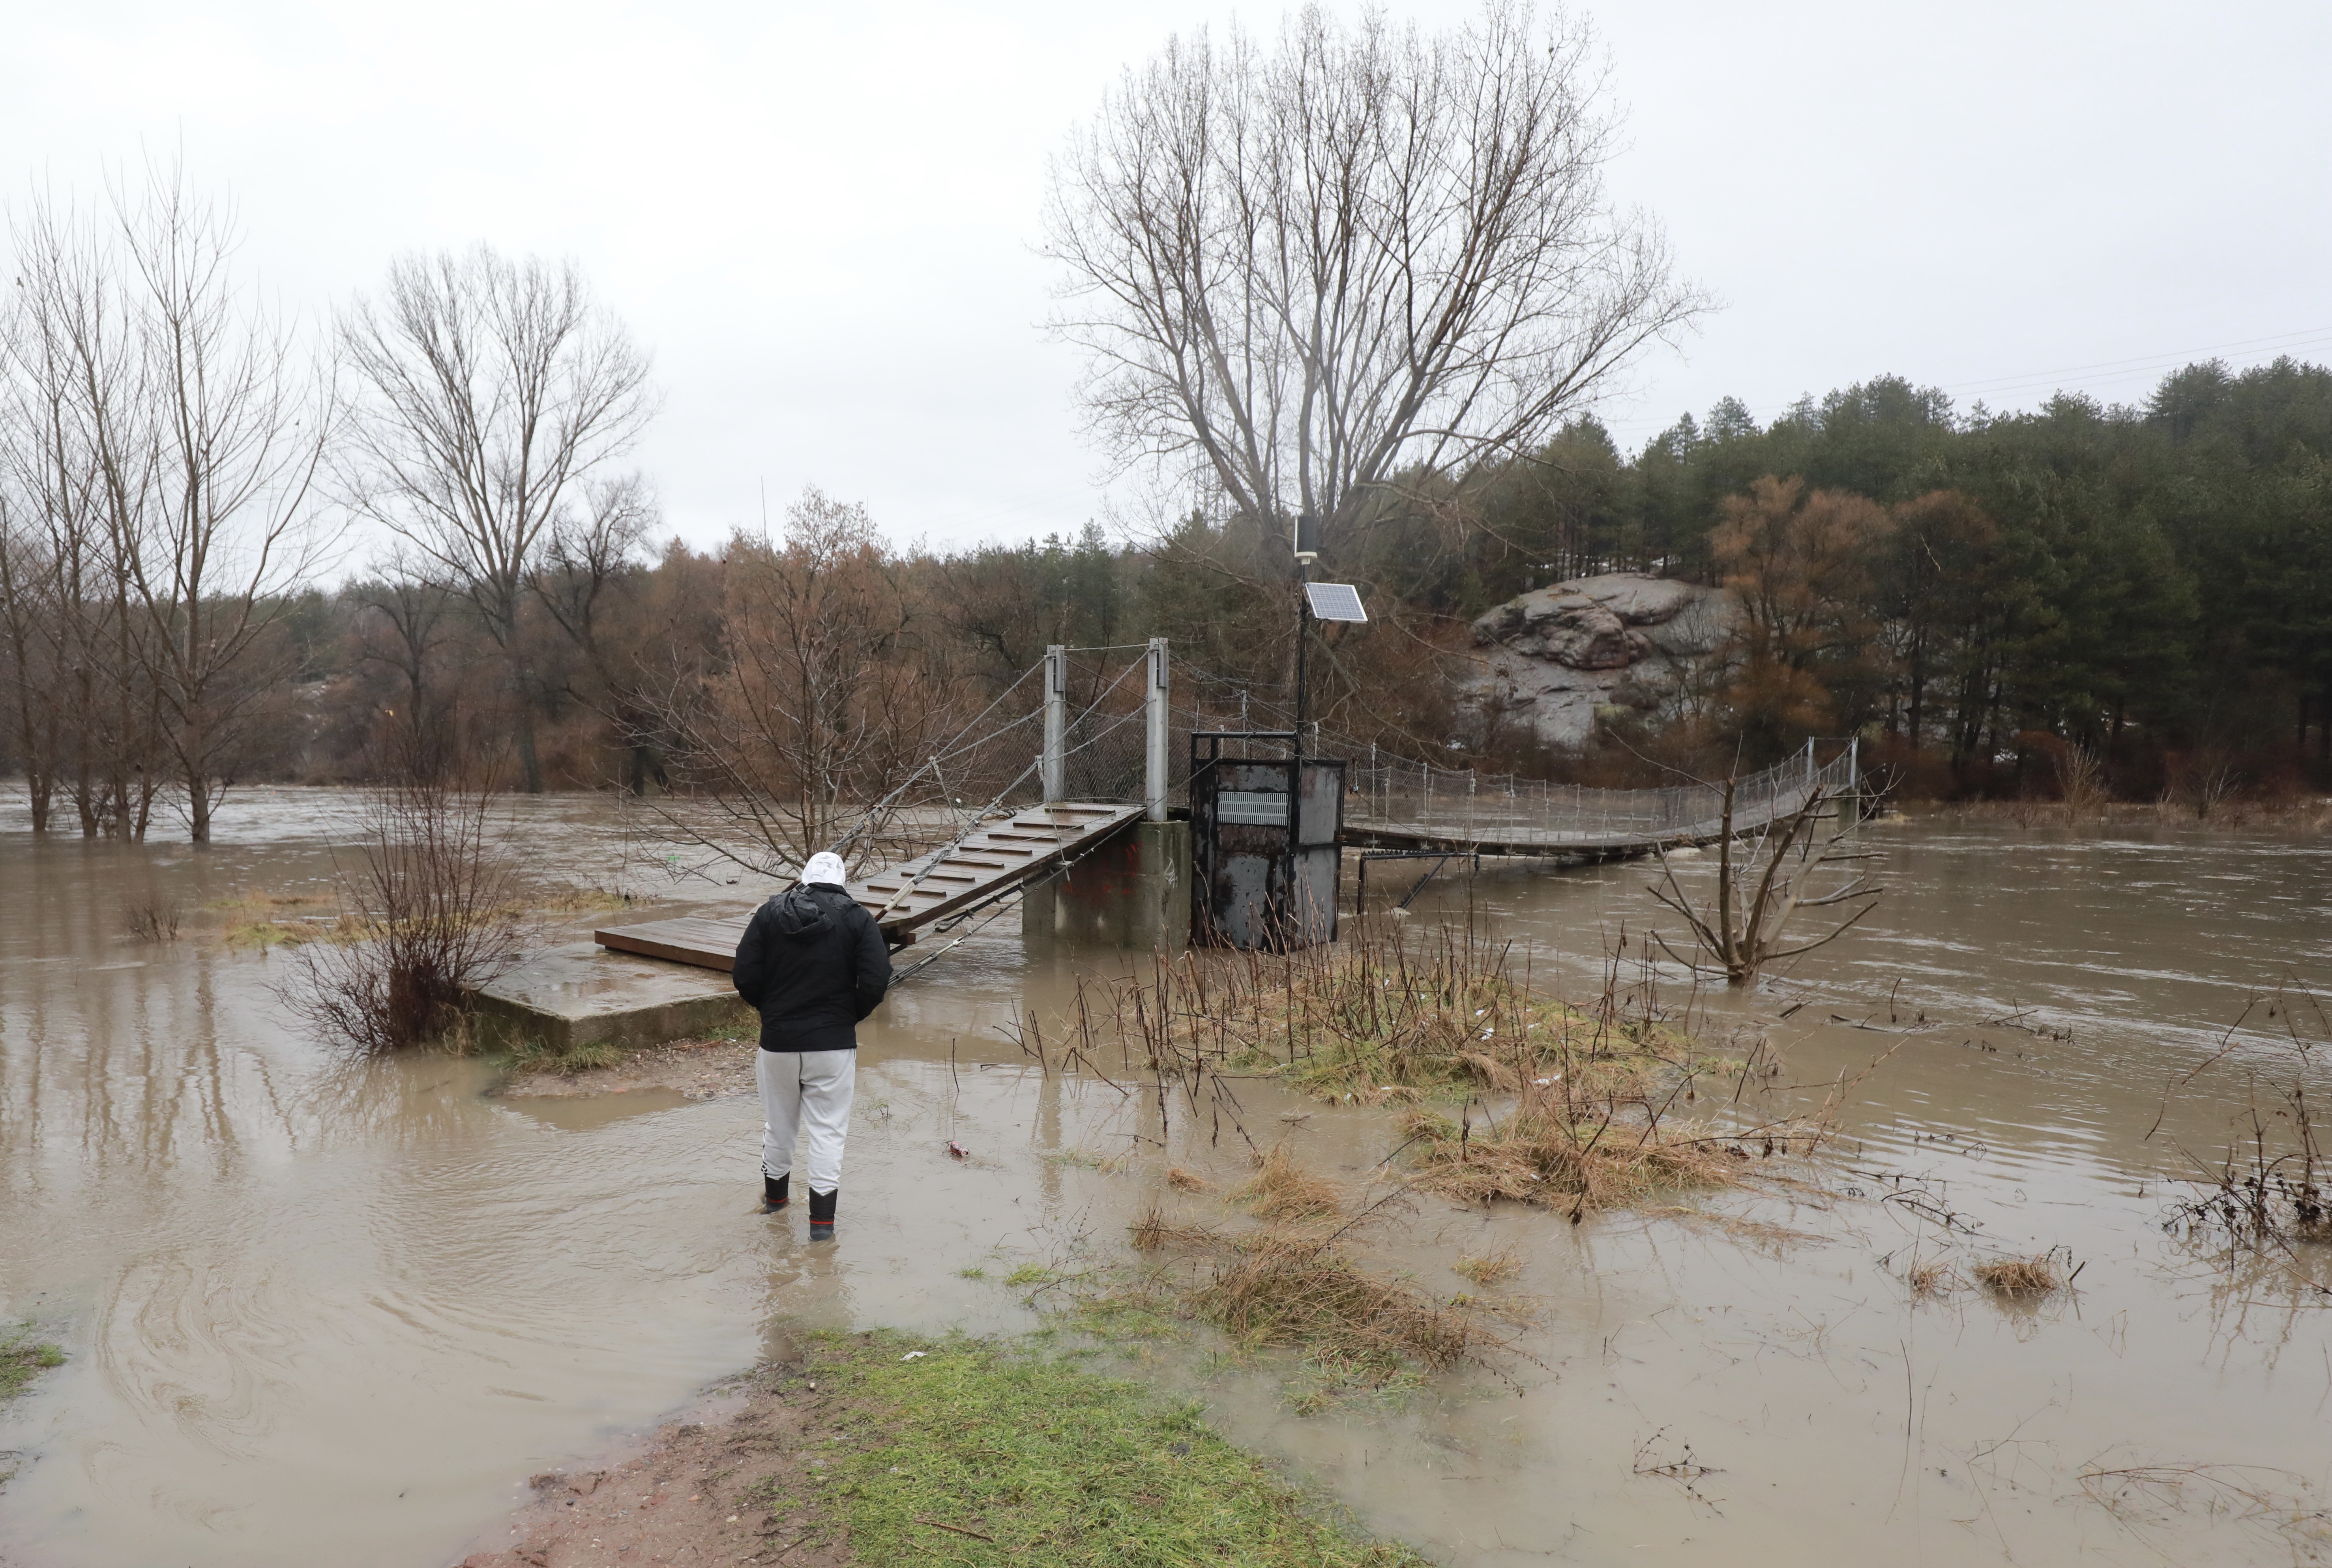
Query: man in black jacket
812	964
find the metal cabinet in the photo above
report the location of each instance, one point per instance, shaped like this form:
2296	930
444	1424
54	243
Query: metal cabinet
1265	862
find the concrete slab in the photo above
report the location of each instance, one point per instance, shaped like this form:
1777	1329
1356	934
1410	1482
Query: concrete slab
585	994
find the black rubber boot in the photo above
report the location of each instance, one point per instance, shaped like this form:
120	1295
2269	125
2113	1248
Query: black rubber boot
821	1214
773	1192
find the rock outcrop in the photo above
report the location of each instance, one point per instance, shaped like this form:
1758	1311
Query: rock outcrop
1561	655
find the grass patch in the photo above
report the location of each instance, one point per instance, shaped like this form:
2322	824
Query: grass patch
745	1026
1490	1268
23	1358
533	1055
986	1457
269	920
1092	1160
580	901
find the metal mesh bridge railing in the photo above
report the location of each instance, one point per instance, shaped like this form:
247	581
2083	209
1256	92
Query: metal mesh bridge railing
996	764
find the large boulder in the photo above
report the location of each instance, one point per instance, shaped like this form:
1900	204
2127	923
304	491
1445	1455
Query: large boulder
1559	654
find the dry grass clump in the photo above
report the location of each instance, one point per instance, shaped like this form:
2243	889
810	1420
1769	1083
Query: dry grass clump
2020	1278
1490	1268
1183	1180
1280	1190
1277	1288
267	919
1931	1281
1296	1283
1154	1232
1578	1154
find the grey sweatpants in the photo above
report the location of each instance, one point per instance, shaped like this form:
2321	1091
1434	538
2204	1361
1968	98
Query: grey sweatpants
806	1090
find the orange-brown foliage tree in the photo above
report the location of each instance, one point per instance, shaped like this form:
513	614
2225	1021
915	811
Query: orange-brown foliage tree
1807	657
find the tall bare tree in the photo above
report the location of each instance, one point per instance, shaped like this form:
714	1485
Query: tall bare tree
28	614
161	434
74	443
239	421
1302	274
411	600
822	698
591	554
488	391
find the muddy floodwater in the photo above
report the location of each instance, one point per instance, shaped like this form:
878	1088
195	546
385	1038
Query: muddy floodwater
320	1311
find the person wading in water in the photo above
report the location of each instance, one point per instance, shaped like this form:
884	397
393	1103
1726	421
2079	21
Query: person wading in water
812	964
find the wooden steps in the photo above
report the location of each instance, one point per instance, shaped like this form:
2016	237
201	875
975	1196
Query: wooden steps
913	895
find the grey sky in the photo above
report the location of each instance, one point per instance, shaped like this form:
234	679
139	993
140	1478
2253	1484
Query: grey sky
821	219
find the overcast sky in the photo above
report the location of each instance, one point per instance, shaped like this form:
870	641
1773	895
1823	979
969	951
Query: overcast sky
821	219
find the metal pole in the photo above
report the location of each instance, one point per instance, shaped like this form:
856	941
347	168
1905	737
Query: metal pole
1056	725
1302	635
1156	728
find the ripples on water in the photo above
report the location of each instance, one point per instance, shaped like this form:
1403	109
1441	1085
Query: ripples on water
325	1312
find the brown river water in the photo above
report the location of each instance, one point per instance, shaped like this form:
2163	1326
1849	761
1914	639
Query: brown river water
326	1312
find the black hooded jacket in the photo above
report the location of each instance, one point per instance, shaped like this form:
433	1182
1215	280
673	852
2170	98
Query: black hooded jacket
813	964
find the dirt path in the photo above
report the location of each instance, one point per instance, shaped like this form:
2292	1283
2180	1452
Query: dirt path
736	1484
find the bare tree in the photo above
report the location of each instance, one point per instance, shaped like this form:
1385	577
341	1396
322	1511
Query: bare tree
823	698
489	390
239	423
412	599
1367	254
1764	881
28	610
589	554
72	450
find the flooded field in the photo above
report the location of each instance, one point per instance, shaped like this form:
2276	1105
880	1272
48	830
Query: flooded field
318	1311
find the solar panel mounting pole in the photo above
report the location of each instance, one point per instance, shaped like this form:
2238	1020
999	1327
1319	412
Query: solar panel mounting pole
1157	727
1307	551
1052	770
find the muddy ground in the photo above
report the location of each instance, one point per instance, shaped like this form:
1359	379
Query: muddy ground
700	1492
698	1069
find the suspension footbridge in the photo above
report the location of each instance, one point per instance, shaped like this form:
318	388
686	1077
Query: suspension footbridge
1072	757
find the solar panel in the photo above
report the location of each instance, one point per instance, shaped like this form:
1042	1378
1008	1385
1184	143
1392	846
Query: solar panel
1335	601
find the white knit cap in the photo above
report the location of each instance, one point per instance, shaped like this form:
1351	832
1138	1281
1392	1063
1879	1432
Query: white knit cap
824	867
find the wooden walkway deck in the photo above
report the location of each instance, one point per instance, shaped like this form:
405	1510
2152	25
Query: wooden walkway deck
907	898
1460	837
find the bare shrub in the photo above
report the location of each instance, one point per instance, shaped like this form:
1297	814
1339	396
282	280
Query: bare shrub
2272	1187
1597	1101
432	915
151	919
1763	884
2203	779
2081	781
